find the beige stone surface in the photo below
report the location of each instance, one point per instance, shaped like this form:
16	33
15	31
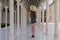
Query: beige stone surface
52	14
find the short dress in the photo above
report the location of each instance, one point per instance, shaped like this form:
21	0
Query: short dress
33	17
33	20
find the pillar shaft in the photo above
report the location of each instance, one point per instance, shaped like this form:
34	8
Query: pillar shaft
42	21
47	15
47	18
18	14
11	20
18	20
6	20
56	19
21	4
0	19
6	15
0	14
42	17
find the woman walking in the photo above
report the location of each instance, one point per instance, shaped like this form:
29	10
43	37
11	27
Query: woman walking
32	22
32	15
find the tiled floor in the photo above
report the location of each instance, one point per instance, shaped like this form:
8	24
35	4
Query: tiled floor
25	33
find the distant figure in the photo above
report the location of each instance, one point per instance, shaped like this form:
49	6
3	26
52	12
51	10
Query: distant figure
33	16
32	22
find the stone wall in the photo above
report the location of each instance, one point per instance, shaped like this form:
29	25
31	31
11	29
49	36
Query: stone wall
52	13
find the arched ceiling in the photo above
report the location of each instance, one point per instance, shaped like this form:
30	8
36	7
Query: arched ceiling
27	3
36	3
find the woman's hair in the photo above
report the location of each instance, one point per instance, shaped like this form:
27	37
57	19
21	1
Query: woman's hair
33	14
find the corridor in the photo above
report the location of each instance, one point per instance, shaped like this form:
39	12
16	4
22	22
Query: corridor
16	19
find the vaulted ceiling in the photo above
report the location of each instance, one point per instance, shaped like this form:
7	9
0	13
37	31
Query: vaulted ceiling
27	3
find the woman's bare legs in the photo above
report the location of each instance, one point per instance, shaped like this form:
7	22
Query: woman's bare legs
33	30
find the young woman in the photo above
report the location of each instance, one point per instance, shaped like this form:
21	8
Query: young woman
32	22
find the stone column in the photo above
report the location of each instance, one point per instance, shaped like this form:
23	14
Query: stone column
0	19
21	4
6	20
56	19
18	4
40	26
23	22
42	16
11	20
6	15
47	18
23	15
18	20
42	22
38	17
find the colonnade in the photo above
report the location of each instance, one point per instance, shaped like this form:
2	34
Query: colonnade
11	8
11	20
24	18
56	19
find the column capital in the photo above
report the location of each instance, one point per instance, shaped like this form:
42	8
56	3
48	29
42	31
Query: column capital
6	7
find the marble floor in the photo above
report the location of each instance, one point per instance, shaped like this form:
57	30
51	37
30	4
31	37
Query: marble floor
25	33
